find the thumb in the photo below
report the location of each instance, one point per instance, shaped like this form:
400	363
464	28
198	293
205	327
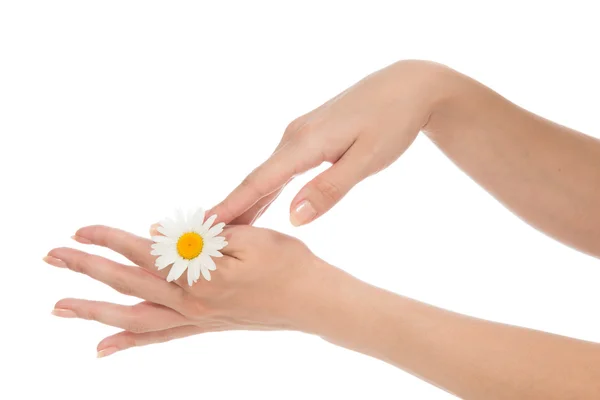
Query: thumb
328	188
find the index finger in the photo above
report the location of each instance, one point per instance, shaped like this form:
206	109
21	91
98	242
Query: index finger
291	159
136	249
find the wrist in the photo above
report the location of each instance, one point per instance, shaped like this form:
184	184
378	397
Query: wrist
322	298
434	84
457	99
353	314
341	309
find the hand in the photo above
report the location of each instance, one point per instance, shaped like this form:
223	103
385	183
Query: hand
264	281
361	131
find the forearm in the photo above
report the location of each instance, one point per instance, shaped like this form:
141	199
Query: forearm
472	358
547	174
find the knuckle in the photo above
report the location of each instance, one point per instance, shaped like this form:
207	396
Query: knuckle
122	286
330	191
251	183
83	263
166	336
275	239
89	314
313	146
305	129
192	308
293	126
129	339
137	325
273	236
131	251
239	233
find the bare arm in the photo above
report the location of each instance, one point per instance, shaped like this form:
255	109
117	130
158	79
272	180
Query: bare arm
469	357
269	281
547	174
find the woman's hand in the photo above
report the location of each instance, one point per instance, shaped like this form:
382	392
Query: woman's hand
268	281
264	281
361	131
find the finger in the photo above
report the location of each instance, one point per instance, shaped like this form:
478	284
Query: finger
251	215
131	281
293	158
329	187
186	274
154	230
125	340
266	207
292	128
134	248
142	317
237	237
207	275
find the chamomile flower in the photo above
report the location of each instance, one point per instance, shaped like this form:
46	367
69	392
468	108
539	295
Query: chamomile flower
188	243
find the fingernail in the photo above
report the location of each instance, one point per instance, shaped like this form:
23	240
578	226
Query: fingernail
154	230
64	313
55	262
303	213
81	239
107	352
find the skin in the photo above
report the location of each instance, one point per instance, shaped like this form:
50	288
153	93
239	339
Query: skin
547	174
269	281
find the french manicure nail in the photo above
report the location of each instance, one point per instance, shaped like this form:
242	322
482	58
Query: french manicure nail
303	213
55	262
107	352
64	313
81	239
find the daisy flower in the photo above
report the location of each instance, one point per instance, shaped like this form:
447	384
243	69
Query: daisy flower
188	243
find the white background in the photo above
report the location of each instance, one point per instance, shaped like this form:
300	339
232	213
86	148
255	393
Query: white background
117	112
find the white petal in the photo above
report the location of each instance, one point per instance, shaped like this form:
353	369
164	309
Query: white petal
168	227
215	230
162	252
179	229
194	270
213	253
212	247
200	230
197	272
165	260
207	262
188	220
205	273
162	248
165	232
164	239
180	218
208	223
215	246
198	219
177	269
190	275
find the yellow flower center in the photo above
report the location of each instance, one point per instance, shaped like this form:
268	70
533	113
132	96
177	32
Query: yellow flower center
189	245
